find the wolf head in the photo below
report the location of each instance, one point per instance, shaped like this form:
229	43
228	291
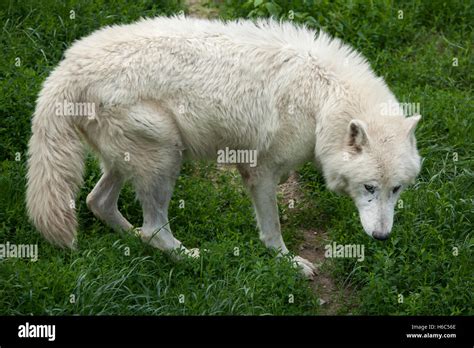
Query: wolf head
378	160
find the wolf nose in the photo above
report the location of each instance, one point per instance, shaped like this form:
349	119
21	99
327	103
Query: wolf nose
379	236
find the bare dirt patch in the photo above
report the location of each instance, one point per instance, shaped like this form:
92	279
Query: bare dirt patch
331	296
197	9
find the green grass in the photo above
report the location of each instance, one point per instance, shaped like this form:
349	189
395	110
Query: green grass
117	274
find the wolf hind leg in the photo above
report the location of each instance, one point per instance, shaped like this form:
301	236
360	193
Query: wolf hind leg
154	189
102	200
144	145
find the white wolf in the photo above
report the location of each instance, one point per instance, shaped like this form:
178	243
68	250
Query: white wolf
167	89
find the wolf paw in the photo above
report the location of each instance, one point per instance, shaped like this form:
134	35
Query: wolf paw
305	266
192	253
181	253
137	231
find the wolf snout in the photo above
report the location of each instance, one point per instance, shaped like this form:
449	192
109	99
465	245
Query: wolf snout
380	236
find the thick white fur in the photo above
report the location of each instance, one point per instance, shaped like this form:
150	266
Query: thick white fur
172	88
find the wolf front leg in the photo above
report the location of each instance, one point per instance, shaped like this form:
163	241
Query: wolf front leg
262	187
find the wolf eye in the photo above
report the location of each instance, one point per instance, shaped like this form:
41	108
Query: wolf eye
396	188
370	188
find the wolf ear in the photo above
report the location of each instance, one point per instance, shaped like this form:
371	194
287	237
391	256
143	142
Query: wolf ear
357	135
411	122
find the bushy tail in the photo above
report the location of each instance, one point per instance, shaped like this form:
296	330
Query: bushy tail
55	167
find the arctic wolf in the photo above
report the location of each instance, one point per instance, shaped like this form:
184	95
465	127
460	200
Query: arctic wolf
165	90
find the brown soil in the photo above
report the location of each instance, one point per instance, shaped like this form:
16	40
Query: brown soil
331	297
197	9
